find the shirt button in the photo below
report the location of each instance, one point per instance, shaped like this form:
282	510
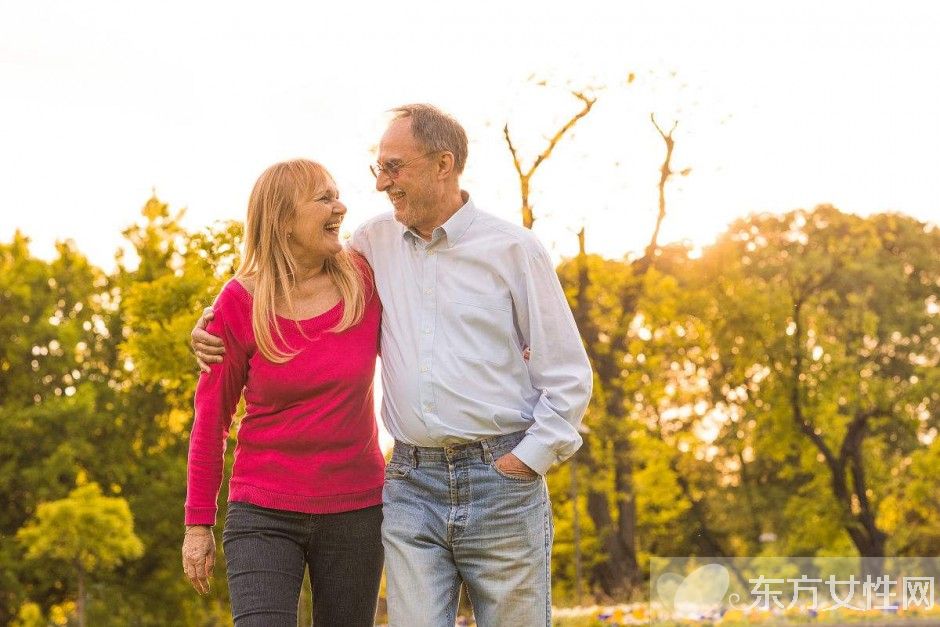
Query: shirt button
427	331
430	252
428	291
424	368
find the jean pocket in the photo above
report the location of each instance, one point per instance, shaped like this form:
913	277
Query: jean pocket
516	478
397	470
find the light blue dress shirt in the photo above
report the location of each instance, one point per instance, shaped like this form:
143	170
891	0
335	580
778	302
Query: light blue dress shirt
458	312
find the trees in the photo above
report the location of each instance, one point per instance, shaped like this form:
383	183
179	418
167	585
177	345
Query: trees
97	386
614	519
779	395
87	530
836	366
179	274
50	317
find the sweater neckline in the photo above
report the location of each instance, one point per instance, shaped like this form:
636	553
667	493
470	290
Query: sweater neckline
329	314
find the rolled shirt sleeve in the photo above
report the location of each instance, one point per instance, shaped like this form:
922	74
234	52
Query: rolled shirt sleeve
558	364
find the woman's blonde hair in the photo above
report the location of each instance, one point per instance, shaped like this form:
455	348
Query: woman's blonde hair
268	261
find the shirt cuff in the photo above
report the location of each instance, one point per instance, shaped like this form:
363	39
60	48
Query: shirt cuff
200	516
535	455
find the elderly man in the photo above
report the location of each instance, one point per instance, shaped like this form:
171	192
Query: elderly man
485	381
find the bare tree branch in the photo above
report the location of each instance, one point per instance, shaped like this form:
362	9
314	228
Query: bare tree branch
512	150
553	141
665	172
528	218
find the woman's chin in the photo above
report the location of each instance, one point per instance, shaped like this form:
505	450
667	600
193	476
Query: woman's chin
331	242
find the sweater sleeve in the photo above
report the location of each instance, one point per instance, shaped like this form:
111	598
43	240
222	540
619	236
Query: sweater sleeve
217	395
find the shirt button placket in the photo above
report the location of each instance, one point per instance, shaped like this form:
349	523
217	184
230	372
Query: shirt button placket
426	335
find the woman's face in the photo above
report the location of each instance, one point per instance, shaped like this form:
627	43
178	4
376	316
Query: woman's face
317	218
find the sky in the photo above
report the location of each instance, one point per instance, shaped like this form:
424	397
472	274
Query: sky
780	105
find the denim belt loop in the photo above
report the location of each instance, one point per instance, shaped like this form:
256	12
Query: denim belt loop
487	452
414	456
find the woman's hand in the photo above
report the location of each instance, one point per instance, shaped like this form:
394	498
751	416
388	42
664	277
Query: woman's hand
199	556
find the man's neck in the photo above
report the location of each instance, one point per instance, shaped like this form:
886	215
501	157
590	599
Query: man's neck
449	205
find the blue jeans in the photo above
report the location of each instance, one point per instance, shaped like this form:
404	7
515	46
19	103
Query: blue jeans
267	550
451	516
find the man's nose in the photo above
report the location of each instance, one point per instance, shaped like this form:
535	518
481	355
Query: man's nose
382	181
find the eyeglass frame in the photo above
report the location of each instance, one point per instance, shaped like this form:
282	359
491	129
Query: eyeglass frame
394	172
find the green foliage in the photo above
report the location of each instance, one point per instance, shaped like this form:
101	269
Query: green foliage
30	615
911	510
563	551
49	317
105	394
86	529
831	366
662	506
90	532
777	396
726	390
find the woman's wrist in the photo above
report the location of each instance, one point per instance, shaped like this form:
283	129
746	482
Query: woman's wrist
194	528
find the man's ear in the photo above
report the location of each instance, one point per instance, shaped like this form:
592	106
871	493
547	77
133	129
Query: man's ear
445	165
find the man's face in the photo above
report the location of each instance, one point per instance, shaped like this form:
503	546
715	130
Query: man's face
411	184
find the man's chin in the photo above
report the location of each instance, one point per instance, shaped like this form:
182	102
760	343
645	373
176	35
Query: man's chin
401	215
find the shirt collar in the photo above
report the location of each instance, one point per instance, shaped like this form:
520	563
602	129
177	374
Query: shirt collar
455	227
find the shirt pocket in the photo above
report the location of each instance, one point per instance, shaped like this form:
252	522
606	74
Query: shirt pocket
479	327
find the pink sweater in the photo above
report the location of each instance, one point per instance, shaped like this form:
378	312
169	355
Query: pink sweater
308	441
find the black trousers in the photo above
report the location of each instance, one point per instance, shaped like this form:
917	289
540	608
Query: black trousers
267	550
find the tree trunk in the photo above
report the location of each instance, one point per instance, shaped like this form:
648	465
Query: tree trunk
575	529
626	511
860	525
617	574
528	218
612	574
80	604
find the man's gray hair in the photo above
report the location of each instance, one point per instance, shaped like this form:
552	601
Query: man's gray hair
436	131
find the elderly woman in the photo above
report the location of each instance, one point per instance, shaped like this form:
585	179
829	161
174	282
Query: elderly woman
300	324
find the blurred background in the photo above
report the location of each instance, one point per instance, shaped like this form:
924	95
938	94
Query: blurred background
742	200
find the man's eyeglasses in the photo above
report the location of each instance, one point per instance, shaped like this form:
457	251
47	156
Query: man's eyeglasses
394	167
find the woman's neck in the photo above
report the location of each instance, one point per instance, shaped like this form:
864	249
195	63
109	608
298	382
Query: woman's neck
309	269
